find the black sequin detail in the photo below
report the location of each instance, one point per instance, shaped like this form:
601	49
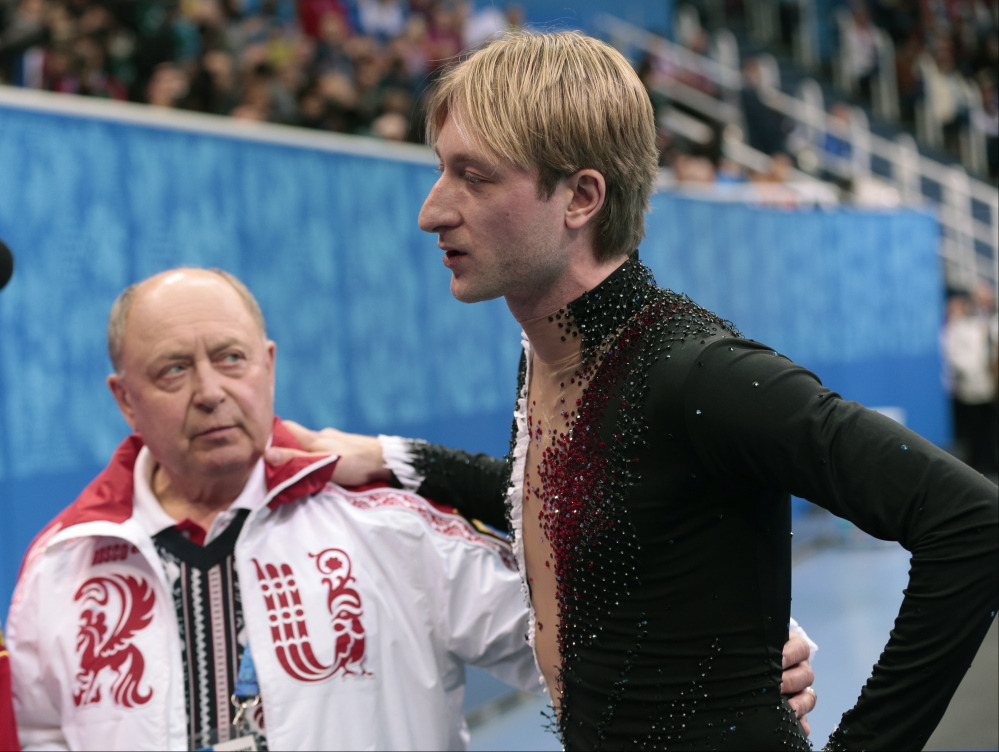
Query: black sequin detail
627	324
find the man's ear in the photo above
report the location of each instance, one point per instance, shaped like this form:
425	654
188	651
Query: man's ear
117	387
589	189
271	362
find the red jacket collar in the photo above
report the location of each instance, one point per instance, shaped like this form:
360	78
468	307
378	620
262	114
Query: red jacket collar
108	497
309	483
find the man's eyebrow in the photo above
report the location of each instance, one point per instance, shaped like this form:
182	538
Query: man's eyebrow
464	159
224	344
185	354
171	355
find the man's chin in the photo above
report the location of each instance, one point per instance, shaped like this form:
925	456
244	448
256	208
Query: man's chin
231	459
467	293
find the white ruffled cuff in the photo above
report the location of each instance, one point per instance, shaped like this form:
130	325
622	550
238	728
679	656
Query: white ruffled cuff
793	626
398	455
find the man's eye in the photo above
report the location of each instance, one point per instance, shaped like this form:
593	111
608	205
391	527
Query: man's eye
175	370
233	357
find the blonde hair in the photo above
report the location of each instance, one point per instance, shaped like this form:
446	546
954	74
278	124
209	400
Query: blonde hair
559	103
123	304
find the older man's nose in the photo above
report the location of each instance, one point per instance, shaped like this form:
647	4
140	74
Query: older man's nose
208	390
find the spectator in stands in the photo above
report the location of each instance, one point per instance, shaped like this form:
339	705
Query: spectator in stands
836	149
693	169
168	85
391	126
837	141
480	25
859	48
214	86
331	53
444	36
23	27
899	18
730	173
969	357
947	92
772	187
766	129
986	119
381	19
908	78
693	73
313	13
983	295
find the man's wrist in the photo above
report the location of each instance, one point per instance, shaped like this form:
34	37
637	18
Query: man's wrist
396	457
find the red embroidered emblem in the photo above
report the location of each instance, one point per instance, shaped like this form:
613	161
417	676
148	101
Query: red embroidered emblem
289	630
116	607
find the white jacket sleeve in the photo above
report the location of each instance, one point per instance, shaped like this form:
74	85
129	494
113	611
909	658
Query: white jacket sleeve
35	689
486	614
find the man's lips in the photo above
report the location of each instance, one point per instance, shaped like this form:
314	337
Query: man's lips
452	257
212	433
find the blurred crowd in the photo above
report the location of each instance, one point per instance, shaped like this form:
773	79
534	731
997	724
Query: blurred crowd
945	48
960	36
947	59
362	66
352	66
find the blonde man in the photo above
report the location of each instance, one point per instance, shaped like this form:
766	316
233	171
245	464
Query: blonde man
654	449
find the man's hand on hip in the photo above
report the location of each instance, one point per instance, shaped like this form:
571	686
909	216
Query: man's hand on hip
796	681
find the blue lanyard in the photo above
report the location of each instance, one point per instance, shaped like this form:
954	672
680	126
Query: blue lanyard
247	694
247	686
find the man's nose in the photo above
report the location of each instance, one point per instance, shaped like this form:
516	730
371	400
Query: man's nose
208	389
438	212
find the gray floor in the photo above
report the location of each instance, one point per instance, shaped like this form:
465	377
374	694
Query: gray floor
847	588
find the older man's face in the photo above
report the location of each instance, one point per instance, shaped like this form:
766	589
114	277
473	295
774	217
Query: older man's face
197	380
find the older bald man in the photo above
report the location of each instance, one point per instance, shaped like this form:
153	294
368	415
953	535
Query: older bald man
193	597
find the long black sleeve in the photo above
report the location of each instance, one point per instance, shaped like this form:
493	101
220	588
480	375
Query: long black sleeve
758	417
474	484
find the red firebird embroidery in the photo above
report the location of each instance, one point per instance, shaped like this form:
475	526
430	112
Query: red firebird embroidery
116	607
289	631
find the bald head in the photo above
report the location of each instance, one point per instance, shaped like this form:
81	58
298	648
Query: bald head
194	379
166	281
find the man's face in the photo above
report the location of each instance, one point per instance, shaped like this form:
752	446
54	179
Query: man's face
197	380
499	238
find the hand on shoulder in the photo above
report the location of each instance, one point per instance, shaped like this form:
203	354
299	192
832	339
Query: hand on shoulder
361	460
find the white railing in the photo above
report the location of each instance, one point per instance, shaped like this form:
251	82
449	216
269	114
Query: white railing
968	209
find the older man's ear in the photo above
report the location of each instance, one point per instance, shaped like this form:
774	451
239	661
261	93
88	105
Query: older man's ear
120	394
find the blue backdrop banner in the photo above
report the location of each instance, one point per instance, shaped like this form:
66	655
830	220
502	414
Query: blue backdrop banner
369	339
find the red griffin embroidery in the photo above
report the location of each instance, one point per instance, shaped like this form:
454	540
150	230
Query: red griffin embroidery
289	631
105	643
344	605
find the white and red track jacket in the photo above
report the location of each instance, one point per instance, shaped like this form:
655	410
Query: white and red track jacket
388	597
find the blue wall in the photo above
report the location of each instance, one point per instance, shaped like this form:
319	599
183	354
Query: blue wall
856	296
369	338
